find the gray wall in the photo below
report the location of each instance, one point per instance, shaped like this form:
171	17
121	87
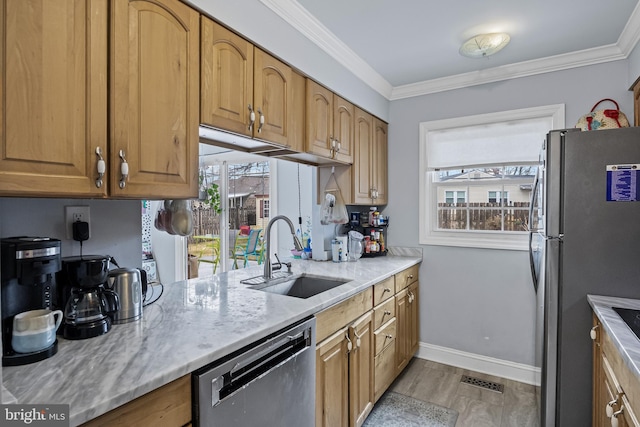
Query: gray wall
115	225
478	300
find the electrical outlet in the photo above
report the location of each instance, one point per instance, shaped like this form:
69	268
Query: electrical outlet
73	214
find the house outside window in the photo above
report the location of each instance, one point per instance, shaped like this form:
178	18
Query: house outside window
476	176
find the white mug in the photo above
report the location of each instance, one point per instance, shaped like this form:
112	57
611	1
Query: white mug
35	330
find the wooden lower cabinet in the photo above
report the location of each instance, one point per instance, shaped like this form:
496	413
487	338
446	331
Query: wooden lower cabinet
344	375
361	369
169	405
616	391
357	352
407	313
332	381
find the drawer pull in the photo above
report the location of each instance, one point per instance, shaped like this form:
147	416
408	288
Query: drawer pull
387	313
388	336
386	290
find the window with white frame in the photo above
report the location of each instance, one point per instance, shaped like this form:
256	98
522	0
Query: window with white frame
476	176
500	197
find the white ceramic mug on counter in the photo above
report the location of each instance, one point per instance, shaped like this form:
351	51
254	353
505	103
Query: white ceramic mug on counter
35	330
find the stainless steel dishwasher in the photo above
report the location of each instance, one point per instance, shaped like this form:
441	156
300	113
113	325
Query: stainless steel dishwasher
268	383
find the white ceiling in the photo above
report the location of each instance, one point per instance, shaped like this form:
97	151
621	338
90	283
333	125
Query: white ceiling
406	48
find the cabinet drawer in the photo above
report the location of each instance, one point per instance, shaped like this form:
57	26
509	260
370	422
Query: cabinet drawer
383	290
384	312
386	335
338	316
384	369
407	277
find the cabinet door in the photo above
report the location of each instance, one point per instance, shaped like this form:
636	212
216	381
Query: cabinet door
272	94
402	334
226	79
154	98
54	114
332	381
362	161
361	370
413	326
343	122
319	119
379	171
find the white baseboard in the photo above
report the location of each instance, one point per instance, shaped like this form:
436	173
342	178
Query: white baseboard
484	364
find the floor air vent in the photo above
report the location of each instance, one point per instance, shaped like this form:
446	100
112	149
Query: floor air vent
489	385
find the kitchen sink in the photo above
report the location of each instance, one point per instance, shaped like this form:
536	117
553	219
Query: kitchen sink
302	286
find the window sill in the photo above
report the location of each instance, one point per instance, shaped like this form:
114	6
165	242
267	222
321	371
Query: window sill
513	243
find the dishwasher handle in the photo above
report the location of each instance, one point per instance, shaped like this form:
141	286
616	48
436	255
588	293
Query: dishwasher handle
258	362
282	342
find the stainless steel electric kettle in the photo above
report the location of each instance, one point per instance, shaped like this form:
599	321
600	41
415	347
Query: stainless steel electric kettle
131	286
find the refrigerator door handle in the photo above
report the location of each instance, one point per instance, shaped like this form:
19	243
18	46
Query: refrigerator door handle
534	196
534	275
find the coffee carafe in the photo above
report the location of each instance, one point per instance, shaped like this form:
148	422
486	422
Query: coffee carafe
29	267
88	304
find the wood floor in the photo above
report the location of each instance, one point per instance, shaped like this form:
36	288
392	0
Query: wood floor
477	407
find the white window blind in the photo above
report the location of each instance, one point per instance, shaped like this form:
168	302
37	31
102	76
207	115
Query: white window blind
505	143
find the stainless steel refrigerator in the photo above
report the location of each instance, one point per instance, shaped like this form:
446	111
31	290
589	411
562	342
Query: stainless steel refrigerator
585	239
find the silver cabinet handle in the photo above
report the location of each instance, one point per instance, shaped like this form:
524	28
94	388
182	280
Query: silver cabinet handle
386	290
387	313
593	333
101	166
261	123
124	170
252	117
349	343
389	336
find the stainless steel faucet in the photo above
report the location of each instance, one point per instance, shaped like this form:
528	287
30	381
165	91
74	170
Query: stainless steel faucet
296	242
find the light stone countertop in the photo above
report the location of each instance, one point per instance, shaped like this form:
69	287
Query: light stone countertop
621	335
195	322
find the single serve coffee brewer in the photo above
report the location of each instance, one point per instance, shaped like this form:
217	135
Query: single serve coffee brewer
29	266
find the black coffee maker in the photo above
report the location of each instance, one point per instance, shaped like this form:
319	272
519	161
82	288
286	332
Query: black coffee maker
88	306
29	266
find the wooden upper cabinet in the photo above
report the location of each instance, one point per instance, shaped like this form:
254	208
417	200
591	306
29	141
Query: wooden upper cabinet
154	99
380	175
226	79
363	159
246	91
272	95
330	124
54	81
319	119
343	128
369	170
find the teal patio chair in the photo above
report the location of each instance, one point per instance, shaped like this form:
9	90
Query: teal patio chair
252	248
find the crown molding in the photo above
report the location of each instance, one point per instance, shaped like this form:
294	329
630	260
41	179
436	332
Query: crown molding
511	71
299	18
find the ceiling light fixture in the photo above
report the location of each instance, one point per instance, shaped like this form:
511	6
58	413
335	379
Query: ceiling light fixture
484	45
